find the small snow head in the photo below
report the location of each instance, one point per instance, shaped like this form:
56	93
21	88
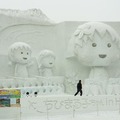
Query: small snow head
20	52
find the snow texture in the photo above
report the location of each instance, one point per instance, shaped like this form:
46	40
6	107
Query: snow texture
31	14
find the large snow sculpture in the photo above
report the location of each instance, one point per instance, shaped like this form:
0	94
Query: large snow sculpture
95	45
46	63
20	55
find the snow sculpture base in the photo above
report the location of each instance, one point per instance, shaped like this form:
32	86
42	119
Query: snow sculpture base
66	104
42	85
93	87
57	106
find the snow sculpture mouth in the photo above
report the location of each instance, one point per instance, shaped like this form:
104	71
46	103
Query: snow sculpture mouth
24	58
50	63
102	55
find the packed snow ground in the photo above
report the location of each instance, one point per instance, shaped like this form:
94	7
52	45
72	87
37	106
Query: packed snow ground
101	115
109	115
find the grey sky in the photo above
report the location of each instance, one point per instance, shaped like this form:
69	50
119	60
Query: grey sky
70	10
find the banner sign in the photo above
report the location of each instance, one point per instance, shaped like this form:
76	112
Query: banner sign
10	98
13	93
4	102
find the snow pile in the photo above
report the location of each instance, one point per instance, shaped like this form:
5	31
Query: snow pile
31	14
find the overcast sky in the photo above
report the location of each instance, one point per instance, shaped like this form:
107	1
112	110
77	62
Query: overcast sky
70	10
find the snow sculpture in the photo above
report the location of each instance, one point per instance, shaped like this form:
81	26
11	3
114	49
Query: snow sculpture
92	87
113	87
20	55
30	14
95	45
46	63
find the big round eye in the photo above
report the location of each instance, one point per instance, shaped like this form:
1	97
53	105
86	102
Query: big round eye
21	52
94	44
109	45
27	53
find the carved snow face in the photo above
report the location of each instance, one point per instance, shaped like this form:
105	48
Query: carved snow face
22	55
101	51
48	62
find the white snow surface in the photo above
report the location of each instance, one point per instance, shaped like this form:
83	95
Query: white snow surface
30	14
109	115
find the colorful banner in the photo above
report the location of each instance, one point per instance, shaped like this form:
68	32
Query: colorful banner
10	98
13	93
14	102
4	102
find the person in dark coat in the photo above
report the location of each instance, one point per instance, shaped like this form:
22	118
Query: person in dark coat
79	88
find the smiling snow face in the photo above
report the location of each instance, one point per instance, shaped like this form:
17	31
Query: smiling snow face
100	51
22	55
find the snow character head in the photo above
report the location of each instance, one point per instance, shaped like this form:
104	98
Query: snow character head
46	62
20	55
95	44
20	52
